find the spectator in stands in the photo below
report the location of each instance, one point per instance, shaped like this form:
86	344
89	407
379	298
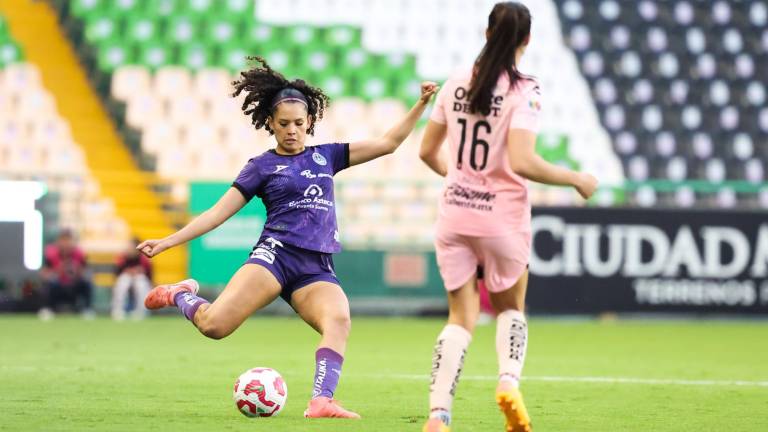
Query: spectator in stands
134	273
66	278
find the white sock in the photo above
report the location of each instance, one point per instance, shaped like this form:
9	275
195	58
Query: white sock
511	343
447	361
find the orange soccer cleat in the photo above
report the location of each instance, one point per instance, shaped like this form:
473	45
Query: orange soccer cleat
435	425
324	407
510	401
162	295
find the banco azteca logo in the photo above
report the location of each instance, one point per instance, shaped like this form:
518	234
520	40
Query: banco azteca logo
313	191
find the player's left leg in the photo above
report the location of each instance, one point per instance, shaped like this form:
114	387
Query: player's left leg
511	344
507	279
324	306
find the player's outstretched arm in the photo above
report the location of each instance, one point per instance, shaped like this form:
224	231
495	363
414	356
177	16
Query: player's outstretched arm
230	203
524	160
366	150
431	143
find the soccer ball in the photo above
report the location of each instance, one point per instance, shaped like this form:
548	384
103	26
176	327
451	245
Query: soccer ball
260	392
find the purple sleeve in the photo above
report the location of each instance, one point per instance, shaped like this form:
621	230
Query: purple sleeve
338	155
248	182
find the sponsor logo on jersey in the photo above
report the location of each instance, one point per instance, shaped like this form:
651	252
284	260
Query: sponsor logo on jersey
319	159
279	168
313	191
310	175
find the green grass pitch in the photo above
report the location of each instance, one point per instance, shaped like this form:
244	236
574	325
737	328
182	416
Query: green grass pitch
160	374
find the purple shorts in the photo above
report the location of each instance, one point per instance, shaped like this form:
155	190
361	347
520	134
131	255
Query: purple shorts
292	266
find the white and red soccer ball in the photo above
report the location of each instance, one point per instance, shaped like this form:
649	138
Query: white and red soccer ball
260	392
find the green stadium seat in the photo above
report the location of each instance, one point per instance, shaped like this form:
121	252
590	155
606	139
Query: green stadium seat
356	61
279	59
333	85
162	8
221	31
317	59
343	37
261	35
408	91
303	35
200	8
552	147
232	57
154	54
141	28
100	28
372	88
85	8
126	7
196	56
235	9
111	55
10	53
182	29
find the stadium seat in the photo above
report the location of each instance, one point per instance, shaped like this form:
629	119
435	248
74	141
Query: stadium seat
665	73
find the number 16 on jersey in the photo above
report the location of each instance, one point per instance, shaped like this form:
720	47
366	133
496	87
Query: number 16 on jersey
476	142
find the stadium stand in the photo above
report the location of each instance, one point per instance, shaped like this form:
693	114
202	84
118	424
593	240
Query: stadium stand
680	87
163	70
114	198
37	143
171	94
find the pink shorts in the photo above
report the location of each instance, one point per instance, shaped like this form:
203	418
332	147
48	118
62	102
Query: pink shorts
504	259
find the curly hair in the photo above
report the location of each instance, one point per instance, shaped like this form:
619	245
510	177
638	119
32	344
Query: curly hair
261	84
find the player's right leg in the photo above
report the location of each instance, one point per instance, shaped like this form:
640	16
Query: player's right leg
450	350
251	288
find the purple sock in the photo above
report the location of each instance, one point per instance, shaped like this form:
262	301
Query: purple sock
188	303
327	372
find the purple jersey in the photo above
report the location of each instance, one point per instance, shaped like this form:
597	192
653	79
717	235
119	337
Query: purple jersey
297	191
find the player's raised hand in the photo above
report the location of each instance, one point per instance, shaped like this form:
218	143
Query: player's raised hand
151	248
586	185
428	88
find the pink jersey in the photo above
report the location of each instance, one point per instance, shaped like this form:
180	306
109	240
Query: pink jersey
483	197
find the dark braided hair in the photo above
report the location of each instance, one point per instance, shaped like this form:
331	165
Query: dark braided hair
261	84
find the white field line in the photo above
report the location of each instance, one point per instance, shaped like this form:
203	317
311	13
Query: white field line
595	380
424	377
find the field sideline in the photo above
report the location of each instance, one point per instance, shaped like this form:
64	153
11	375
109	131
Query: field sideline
74	375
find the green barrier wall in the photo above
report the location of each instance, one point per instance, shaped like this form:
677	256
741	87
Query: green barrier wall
214	257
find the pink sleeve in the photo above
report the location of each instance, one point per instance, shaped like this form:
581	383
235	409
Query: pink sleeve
438	112
526	114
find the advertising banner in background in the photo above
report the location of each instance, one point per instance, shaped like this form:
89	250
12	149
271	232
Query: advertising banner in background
214	257
584	260
637	260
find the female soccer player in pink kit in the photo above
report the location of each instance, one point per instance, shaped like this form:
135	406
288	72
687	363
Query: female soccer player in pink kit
490	116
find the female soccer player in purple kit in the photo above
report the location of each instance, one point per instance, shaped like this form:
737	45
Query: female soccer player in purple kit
292	259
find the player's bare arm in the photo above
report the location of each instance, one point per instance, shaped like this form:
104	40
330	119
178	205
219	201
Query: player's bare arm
366	150
431	146
521	146
229	204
